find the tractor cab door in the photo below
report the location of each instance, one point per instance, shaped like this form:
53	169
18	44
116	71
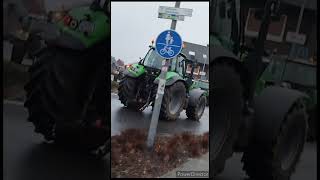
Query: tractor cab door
180	66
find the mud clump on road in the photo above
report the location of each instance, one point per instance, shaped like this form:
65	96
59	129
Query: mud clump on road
131	158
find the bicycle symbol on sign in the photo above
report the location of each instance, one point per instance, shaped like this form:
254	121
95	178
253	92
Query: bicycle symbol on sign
167	49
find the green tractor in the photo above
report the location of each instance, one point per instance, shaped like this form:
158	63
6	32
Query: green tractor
204	85
138	88
268	127
294	74
66	95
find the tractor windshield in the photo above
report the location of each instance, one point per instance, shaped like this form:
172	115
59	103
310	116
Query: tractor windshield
153	60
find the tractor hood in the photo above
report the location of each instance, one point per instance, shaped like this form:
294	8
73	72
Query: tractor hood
135	70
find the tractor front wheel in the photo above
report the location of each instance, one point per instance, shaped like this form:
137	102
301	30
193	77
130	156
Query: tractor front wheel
196	112
278	161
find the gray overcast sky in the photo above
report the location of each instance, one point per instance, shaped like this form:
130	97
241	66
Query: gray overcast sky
135	24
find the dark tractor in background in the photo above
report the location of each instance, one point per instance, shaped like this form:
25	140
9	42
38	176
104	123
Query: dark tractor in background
268	127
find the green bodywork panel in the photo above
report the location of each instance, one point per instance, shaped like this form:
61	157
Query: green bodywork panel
136	70
170	76
99	19
282	70
200	84
223	41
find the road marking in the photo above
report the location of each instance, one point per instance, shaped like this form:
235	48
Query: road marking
13	102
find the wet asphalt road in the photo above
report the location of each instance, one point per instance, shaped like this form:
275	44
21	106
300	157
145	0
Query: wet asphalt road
26	157
306	169
123	118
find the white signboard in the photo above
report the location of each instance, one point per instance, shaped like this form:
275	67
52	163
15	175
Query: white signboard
170	16
296	38
175	11
276	28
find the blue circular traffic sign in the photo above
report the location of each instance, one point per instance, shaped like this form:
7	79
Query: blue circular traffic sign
168	44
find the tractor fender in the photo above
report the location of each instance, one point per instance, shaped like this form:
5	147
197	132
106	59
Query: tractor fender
218	52
129	74
271	108
171	81
194	95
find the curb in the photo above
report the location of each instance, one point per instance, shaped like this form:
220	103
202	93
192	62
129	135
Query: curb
192	165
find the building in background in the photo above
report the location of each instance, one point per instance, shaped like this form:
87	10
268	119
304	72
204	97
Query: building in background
201	52
282	33
120	65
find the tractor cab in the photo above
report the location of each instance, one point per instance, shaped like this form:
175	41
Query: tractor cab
153	61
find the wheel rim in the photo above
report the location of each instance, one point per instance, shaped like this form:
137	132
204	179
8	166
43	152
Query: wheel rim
201	107
290	145
220	130
175	102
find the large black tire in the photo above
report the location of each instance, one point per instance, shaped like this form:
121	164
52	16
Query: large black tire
278	162
196	112
57	93
173	101
127	89
227	114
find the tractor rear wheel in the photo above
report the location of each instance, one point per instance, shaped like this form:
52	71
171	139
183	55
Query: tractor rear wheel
173	101
278	162
227	114
128	87
57	94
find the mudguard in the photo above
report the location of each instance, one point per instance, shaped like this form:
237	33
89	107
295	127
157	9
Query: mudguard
271	107
218	52
194	95
129	74
135	70
171	78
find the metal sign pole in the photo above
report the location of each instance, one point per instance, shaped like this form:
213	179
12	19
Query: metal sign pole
161	87
157	105
174	22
